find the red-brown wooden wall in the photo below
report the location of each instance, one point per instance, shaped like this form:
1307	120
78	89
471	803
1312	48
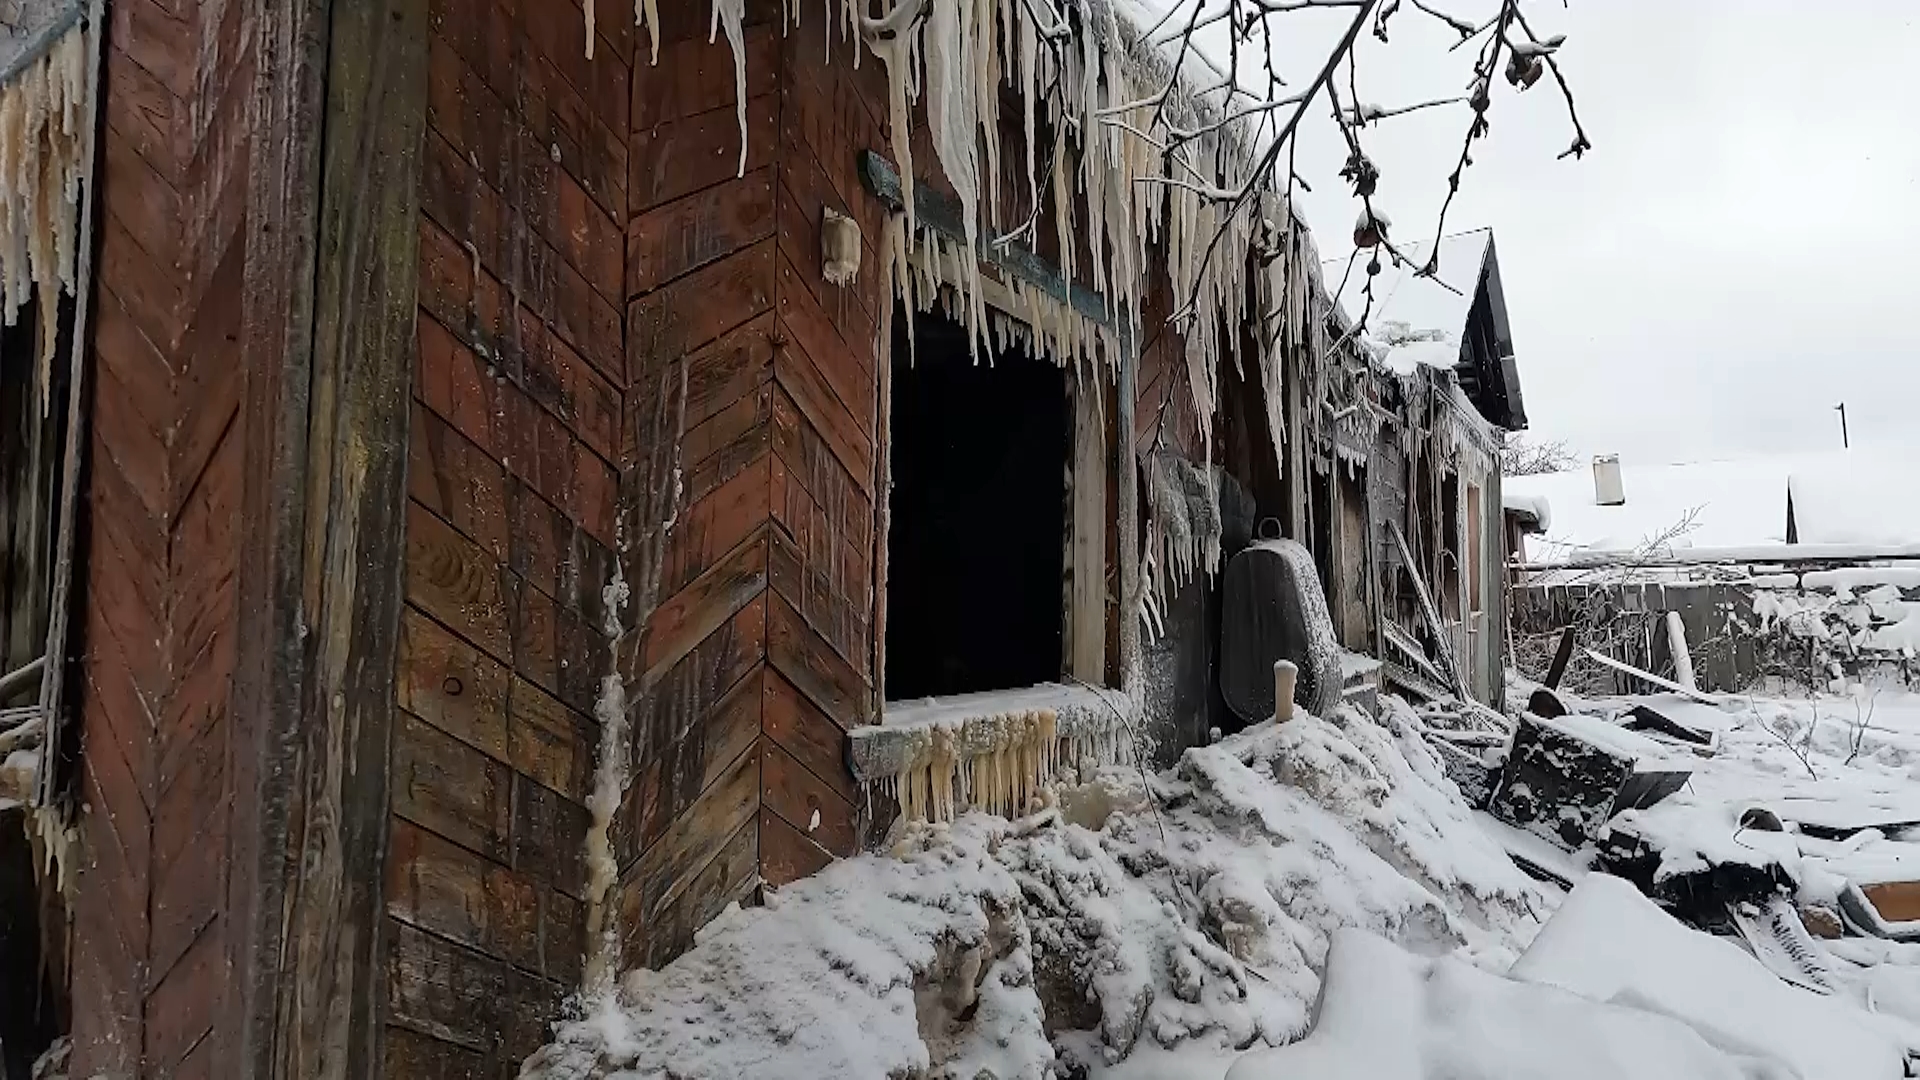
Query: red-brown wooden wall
608	317
513	481
756	652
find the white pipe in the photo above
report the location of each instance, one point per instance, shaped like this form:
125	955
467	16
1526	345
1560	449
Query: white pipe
1285	675
1682	659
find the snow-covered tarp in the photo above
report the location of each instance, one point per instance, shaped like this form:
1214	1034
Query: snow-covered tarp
1609	943
1387	1013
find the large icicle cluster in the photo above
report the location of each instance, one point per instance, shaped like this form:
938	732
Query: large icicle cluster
1096	86
44	113
1183	531
1105	84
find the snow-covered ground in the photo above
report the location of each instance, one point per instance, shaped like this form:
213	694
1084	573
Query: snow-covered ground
1180	926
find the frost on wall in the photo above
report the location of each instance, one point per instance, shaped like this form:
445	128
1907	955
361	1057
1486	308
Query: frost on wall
44	112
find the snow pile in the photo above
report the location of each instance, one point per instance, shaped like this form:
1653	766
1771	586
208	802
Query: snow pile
1862	620
1535	507
1609	943
1857	497
824	980
1386	1013
1109	925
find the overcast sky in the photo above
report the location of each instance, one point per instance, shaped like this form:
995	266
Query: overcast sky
1740	251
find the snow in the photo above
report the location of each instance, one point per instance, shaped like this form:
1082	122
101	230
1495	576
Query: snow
1845	503
1857	497
1182	926
1609	943
1312	899
1532	506
1534	848
1387	1013
1619	741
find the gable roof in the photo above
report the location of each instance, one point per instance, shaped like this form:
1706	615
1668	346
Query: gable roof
1455	320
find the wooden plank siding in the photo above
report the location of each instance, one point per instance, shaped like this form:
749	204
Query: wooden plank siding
153	945
350	537
753	397
514	466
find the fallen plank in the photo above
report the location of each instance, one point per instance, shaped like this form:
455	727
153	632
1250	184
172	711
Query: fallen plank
1664	684
1430	614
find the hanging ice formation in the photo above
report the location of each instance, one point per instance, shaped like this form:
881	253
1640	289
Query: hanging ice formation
43	115
1183	529
603	802
1000	764
1089	89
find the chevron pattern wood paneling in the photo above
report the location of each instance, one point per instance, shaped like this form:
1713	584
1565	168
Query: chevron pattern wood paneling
608	316
151	961
754	398
513	482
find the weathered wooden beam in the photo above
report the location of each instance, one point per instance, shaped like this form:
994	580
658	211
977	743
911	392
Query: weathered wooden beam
942	213
283	195
330	323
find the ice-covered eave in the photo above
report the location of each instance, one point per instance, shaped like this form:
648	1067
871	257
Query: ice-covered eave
1081	713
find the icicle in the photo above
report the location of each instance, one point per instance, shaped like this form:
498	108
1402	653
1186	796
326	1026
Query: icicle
43	113
896	52
647	13
728	15
1029	48
609	787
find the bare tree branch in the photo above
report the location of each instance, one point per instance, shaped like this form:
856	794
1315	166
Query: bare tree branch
1521	457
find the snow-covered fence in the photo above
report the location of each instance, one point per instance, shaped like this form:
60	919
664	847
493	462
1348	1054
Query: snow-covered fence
1626	619
1805	623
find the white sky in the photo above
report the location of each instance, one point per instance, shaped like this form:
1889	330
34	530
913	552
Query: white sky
1740	251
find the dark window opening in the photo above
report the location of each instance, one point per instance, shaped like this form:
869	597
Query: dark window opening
1320	498
33	976
1450	548
977	515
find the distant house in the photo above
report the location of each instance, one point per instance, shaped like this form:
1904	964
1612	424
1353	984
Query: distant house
1862	500
1803	568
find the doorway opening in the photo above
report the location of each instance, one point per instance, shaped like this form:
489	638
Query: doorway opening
976	540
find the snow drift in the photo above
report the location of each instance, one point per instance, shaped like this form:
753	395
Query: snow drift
1193	910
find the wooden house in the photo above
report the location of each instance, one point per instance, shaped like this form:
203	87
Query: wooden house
518	451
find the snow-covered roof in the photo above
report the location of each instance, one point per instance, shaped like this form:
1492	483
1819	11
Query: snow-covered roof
1415	320
1857	498
1534	511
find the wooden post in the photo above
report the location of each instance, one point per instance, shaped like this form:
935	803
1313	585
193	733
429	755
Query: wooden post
336	120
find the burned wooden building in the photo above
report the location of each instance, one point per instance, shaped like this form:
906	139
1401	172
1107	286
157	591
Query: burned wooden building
514	459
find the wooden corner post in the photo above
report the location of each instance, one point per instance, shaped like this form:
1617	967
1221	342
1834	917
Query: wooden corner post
336	124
